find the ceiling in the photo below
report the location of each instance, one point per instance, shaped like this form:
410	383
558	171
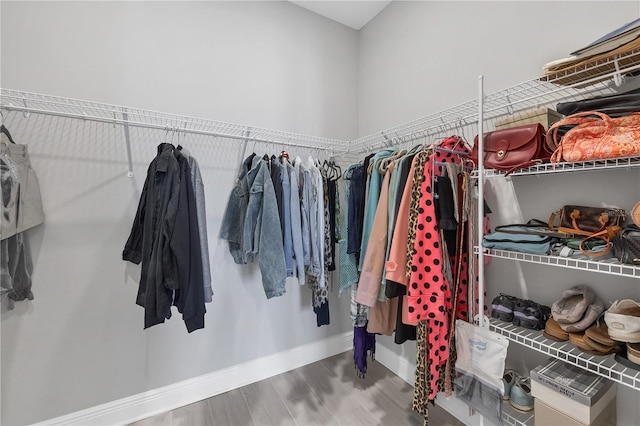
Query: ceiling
354	14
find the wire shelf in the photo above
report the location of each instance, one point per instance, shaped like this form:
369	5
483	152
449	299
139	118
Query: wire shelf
36	103
608	266
580	166
605	366
597	80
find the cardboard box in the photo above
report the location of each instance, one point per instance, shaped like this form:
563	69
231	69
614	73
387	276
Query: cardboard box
546	415
568	407
544	116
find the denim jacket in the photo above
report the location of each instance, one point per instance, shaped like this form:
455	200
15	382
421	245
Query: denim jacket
296	223
251	224
262	227
305	194
286	215
233	221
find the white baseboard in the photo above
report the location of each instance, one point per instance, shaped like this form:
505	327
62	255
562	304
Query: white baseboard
406	371
156	401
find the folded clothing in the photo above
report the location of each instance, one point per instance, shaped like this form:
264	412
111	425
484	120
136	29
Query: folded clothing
524	243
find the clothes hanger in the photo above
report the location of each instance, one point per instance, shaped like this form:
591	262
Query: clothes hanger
336	171
6	132
384	163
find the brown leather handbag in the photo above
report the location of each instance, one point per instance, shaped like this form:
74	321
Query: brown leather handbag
602	223
514	148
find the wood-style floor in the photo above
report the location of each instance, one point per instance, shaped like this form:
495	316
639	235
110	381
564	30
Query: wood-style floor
327	392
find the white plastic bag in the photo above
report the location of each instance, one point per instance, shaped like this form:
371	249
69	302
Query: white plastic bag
481	353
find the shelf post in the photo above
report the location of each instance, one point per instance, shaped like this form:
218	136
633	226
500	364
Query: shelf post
125	118
480	229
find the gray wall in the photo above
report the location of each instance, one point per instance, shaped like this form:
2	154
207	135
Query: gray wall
271	64
417	58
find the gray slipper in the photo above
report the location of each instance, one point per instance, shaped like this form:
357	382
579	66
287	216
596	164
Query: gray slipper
590	316
574	303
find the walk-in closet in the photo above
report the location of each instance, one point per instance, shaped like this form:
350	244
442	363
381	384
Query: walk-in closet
274	212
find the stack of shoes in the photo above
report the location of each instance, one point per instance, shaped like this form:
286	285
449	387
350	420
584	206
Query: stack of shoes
595	343
520	312
577	309
623	320
517	390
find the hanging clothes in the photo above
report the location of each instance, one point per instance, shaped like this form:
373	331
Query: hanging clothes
355	208
185	246
232	228
150	237
21	210
348	263
166	238
287	229
262	234
430	294
296	221
373	195
198	188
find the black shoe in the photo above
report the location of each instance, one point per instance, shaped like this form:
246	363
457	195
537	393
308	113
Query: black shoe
531	315
502	307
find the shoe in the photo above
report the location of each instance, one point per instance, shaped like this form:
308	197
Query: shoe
502	307
590	316
633	352
599	349
573	304
553	331
508	379
520	396
531	315
582	342
623	320
600	333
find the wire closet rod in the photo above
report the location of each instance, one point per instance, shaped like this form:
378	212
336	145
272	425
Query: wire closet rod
161	127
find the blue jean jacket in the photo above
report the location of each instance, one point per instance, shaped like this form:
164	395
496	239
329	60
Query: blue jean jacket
286	211
232	227
296	223
251	224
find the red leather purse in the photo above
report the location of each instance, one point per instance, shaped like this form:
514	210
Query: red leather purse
514	148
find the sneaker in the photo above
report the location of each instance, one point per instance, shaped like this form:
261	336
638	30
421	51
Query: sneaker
531	315
520	396
508	379
502	307
623	320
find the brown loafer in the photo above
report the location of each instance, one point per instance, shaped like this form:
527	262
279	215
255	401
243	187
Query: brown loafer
600	348
553	331
600	334
633	352
579	341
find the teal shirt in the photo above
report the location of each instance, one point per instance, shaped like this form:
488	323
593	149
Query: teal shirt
375	186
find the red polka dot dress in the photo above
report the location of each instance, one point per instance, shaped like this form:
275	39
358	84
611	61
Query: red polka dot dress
429	293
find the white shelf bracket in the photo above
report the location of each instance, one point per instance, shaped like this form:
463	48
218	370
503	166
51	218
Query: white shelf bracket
127	139
617	76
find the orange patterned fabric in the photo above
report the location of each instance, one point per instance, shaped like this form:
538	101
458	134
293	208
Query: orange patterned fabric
595	136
